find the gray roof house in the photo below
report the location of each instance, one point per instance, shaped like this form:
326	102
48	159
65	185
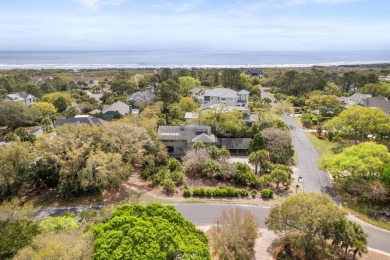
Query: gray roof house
236	145
23	97
119	106
377	102
225	96
353	100
178	139
142	98
79	119
254	73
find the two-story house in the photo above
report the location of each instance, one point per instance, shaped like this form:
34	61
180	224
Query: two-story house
178	139
23	97
254	73
225	96
141	99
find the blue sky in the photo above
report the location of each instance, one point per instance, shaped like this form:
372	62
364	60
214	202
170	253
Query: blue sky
217	25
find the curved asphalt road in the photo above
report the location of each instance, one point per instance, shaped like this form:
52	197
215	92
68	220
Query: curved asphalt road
318	181
314	180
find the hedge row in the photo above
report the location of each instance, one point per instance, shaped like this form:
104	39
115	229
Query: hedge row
217	192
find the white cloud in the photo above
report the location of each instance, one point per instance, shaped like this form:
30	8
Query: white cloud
184	6
333	2
244	9
96	4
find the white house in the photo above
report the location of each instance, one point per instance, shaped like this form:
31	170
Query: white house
25	98
225	96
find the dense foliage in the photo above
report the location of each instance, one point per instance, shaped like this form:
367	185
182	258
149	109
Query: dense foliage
91	159
307	221
149	232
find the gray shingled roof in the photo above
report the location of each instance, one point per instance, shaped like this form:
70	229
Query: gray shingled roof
142	95
222	93
204	138
183	133
252	72
378	102
119	106
236	143
90	120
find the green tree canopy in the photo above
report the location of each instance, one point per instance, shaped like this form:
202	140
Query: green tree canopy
186	83
52	97
93	158
375	90
222	121
257	143
123	86
358	122
15	114
60	245
324	104
187	104
45	108
15	171
366	160
149	232
307	221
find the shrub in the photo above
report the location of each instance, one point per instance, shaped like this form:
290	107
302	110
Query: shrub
169	185
253	193
177	177
148	171
266	193
187	193
219	192
174	165
160	176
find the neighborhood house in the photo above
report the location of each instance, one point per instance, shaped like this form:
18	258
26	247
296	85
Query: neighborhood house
25	98
142	98
178	139
225	96
119	106
79	119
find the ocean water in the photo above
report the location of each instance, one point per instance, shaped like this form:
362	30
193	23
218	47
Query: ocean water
181	59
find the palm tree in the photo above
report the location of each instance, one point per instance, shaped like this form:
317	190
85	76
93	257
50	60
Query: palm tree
46	124
259	158
354	236
359	248
22	133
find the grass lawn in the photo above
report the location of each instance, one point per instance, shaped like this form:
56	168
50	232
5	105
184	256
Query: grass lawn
323	146
385	83
298	121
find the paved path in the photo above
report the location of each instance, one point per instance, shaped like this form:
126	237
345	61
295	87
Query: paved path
318	181
313	179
